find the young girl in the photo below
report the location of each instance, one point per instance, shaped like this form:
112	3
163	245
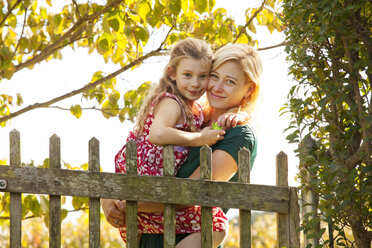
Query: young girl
170	116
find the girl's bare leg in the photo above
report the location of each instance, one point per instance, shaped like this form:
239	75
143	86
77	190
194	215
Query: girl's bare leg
194	240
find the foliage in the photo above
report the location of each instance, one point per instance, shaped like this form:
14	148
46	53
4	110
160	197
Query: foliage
263	231
120	31
75	233
330	51
37	206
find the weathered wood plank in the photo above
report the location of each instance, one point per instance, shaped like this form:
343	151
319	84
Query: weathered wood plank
206	212
15	198
169	209
282	218
294	218
55	200
244	215
94	204
173	190
132	206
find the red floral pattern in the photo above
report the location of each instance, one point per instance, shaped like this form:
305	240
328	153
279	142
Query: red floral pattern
150	162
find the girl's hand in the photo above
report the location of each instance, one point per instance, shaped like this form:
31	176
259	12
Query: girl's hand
114	211
229	120
211	136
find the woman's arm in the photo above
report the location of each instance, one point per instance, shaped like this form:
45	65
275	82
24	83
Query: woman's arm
167	115
223	167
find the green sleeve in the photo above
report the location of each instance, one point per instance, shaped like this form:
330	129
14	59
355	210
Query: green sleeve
235	139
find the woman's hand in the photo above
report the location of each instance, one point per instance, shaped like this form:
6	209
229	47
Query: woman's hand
114	211
210	136
229	120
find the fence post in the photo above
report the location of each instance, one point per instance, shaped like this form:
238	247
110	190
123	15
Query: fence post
245	215
206	212
169	209
15	198
132	207
282	219
55	200
94	204
310	199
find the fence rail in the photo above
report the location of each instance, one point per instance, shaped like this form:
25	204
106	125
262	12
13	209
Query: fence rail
168	189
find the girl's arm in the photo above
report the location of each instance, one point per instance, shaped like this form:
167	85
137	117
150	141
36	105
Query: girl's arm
167	115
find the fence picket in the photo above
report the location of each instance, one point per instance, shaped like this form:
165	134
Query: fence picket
15	198
55	200
282	218
169	209
244	215
294	218
94	203
132	207
206	212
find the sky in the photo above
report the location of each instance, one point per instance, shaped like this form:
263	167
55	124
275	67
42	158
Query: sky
56	77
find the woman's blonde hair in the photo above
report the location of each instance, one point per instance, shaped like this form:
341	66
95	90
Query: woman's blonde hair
250	62
188	48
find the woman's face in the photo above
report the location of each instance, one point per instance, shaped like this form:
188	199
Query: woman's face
227	86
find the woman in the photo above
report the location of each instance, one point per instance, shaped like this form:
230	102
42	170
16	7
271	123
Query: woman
233	87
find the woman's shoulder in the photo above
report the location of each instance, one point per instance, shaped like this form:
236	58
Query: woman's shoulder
242	131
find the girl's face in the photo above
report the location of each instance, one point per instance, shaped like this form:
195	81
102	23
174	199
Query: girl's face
228	86
191	78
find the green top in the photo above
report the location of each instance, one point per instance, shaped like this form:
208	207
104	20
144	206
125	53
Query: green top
235	139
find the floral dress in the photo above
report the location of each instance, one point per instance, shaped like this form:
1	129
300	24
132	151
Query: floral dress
150	162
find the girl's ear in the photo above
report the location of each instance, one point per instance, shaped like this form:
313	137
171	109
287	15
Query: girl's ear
171	73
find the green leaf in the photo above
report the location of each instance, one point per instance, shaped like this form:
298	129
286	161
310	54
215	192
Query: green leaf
114	24
12	20
141	33
104	44
200	5
57	20
185	6
106	109
76	110
43	13
19	99
44	204
143	10
64	213
175	7
216	126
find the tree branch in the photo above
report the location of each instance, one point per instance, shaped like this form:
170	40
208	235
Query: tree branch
284	43
85	88
91	108
23	29
250	20
9	12
76	27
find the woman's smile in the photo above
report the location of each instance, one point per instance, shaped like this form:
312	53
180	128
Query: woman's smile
215	95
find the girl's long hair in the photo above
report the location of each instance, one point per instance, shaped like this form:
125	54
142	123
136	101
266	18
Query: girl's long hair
188	48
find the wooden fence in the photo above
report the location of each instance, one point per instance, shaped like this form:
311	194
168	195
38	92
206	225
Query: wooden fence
168	189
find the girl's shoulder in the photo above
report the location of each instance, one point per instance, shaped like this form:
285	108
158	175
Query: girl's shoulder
162	96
